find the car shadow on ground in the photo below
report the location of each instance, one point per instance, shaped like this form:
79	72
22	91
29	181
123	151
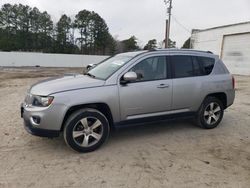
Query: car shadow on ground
151	129
126	134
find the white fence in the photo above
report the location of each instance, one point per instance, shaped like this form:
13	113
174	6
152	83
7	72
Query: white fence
21	59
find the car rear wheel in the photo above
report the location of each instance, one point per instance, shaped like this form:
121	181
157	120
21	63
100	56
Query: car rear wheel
210	114
86	130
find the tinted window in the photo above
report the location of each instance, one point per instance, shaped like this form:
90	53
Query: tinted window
207	64
197	67
154	68
183	66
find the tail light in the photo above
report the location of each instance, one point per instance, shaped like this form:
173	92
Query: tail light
233	82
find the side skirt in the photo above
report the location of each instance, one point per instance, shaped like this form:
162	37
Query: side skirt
156	119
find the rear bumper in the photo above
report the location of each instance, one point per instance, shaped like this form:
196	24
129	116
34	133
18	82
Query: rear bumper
40	132
230	97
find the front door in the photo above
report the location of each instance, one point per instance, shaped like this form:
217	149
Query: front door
151	94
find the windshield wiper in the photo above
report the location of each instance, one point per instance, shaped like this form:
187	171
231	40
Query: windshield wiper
90	75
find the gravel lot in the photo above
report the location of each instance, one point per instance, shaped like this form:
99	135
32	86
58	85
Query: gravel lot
173	154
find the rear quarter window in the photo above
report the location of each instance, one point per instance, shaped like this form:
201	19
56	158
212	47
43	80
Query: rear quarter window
207	64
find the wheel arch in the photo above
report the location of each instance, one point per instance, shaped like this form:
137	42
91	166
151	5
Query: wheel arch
221	96
102	107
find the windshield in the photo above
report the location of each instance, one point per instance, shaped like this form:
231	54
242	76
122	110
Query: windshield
109	66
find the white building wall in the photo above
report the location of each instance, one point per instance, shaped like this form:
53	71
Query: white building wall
234	52
19	59
211	39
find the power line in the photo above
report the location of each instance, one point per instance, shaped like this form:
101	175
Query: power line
180	24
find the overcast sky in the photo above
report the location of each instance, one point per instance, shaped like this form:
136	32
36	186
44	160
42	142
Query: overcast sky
146	18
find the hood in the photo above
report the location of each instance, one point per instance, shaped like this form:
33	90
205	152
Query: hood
65	83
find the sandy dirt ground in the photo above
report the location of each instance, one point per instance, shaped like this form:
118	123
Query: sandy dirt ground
172	154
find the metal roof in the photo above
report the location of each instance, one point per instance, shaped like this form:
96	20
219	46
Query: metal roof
218	27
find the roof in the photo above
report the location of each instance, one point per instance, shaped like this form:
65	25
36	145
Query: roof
136	53
179	50
132	54
218	27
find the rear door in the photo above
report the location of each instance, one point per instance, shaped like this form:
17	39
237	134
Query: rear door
186	86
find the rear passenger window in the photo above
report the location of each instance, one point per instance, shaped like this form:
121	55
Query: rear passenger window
207	64
183	66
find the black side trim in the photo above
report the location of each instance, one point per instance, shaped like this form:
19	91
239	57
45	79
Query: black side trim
155	119
40	132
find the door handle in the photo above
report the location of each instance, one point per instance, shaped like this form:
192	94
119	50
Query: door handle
161	86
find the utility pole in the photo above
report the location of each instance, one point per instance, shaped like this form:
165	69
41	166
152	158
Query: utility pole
166	34
168	22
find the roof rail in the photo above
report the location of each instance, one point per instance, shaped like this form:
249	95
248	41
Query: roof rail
176	49
152	50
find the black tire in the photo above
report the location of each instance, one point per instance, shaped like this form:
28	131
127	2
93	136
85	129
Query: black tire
202	120
74	122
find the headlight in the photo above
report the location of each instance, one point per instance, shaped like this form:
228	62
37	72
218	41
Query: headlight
42	101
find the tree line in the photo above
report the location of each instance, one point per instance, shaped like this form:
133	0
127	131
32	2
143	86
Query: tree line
25	28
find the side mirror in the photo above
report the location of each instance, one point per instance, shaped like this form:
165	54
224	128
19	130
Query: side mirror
129	77
90	66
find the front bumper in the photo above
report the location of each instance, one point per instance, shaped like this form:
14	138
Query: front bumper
49	123
40	132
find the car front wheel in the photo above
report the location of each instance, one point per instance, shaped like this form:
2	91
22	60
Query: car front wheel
86	130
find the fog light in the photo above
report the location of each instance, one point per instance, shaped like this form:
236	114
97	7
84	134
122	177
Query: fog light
35	120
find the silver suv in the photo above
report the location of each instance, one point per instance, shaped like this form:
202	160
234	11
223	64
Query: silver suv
129	88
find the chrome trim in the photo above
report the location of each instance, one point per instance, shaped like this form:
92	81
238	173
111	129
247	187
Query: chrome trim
157	114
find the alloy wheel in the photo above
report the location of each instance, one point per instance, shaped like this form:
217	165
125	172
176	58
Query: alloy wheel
87	132
212	113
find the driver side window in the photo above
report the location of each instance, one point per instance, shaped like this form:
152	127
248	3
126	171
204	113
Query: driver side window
153	68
